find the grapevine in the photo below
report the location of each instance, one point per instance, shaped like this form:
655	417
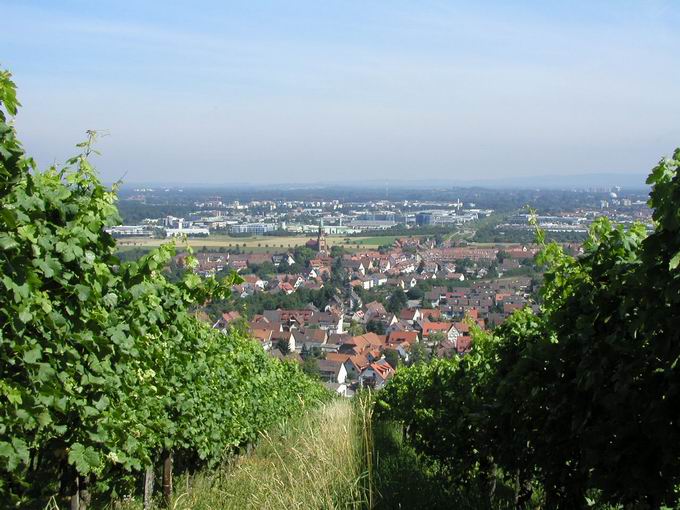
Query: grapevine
104	369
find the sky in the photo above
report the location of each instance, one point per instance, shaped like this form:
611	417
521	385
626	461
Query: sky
322	91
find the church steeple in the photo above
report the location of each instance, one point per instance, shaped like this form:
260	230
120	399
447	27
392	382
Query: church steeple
321	244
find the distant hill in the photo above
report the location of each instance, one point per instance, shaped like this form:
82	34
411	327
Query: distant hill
569	182
582	181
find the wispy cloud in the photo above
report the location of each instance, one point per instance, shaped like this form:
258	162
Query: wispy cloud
355	88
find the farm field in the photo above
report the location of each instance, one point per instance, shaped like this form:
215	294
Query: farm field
270	244
260	243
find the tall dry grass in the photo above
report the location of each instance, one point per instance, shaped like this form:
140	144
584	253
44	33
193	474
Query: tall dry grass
318	461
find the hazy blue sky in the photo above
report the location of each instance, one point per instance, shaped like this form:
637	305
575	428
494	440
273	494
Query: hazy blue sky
224	91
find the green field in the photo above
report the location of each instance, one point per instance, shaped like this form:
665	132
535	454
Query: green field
272	244
261	243
377	240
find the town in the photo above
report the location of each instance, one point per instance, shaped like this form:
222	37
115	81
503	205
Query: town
159	212
374	309
354	289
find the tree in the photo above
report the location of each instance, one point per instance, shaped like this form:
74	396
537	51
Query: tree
303	254
392	357
415	293
375	326
284	346
337	251
265	269
419	354
501	255
356	329
295	268
437	338
396	302
310	366
466	263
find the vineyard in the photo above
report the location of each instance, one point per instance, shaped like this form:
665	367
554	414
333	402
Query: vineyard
579	405
109	384
106	377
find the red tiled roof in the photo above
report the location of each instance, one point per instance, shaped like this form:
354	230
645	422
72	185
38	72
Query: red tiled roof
359	361
462	327
407	314
261	334
397	337
435	313
463	343
336	356
372	339
230	316
382	370
432	327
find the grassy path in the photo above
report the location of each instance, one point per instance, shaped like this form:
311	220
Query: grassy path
313	462
335	457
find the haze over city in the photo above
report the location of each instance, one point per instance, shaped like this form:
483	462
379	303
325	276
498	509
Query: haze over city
311	92
339	254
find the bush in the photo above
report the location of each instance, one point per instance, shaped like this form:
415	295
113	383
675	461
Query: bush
580	400
103	367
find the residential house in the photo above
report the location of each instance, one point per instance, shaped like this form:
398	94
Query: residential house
264	336
410	315
400	325
227	317
378	280
399	337
431	314
289	337
354	266
376	375
287	258
429	328
332	371
353	364
374	308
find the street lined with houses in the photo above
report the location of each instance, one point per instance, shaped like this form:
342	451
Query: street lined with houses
375	309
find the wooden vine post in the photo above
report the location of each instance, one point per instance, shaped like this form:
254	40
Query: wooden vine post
84	495
148	486
167	478
80	493
75	494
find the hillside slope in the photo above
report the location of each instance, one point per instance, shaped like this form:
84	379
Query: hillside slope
317	461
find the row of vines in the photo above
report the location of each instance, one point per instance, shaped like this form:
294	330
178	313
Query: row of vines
578	405
104	371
